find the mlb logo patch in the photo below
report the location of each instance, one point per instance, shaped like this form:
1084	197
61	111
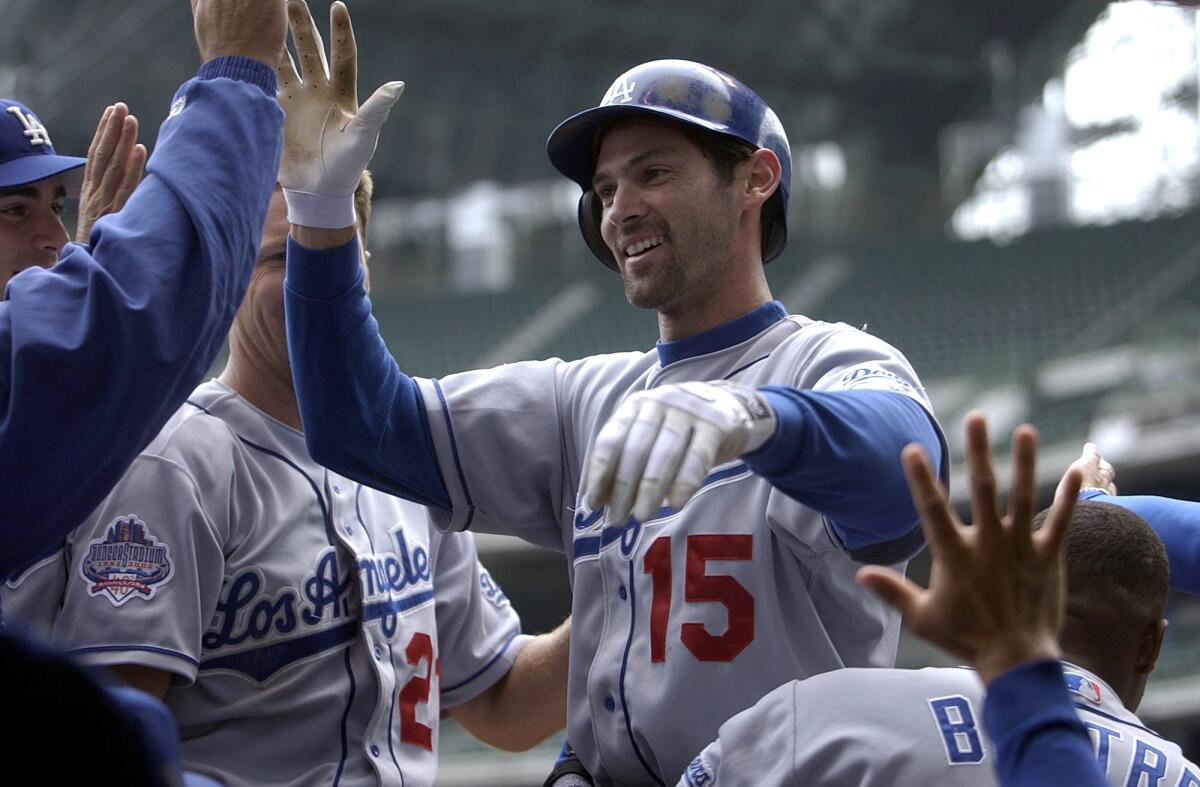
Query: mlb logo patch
126	562
1084	686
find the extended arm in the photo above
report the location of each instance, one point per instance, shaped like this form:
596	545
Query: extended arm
829	444
370	424
362	416
529	703
1177	523
837	452
98	351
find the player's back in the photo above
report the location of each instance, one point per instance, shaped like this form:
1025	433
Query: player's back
899	728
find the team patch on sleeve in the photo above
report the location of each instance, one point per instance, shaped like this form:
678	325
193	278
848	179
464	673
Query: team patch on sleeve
126	562
698	774
875	377
491	591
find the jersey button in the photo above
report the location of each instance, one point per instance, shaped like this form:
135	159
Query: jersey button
336	489
378	653
374	750
349	530
621	592
610	704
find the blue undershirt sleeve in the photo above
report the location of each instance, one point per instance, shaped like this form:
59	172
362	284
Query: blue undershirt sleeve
98	351
1177	523
838	452
1038	737
341	365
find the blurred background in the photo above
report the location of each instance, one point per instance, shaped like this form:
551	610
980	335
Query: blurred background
1005	191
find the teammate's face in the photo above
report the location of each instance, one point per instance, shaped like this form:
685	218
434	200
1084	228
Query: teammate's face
260	319
262	310
667	217
31	228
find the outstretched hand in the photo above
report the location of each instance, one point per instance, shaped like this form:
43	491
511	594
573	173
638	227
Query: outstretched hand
115	161
995	590
1096	470
328	138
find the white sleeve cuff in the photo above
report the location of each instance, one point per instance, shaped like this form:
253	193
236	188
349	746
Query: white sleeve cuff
319	211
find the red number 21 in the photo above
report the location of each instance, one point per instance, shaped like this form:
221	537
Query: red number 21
699	586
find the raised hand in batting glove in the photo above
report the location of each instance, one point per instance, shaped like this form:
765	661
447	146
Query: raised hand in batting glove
328	139
661	444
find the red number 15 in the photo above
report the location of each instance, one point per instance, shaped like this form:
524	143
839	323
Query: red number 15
700	586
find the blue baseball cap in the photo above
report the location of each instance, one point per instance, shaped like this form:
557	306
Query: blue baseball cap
26	155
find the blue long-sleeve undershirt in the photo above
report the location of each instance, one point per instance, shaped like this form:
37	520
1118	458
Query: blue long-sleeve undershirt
1177	523
1038	737
838	452
98	351
829	448
363	417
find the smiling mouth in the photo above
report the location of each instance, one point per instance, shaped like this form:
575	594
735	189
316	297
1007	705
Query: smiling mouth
641	247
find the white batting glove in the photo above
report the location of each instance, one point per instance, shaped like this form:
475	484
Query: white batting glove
328	140
662	443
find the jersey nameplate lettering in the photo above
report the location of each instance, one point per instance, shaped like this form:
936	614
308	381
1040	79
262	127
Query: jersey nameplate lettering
956	718
392	583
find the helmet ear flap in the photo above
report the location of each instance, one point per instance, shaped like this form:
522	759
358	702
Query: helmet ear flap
589	223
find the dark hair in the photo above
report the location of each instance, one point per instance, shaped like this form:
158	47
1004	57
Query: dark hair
723	152
1113	556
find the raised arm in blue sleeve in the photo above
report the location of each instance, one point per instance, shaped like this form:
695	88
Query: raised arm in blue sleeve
1038	738
341	365
99	350
1177	523
838	452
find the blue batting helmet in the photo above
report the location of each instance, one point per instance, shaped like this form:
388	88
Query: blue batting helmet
690	93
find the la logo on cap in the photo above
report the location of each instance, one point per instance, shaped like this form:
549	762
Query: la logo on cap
34	130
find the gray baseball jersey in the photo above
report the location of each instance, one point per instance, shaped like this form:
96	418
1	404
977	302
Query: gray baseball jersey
31	599
683	620
315	628
895	728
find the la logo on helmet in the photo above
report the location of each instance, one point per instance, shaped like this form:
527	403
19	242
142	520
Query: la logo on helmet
37	133
620	93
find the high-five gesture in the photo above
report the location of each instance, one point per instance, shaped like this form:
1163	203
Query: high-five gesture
328	138
115	161
995	590
238	27
1098	473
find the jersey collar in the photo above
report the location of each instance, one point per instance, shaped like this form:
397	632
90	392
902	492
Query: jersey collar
733	332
